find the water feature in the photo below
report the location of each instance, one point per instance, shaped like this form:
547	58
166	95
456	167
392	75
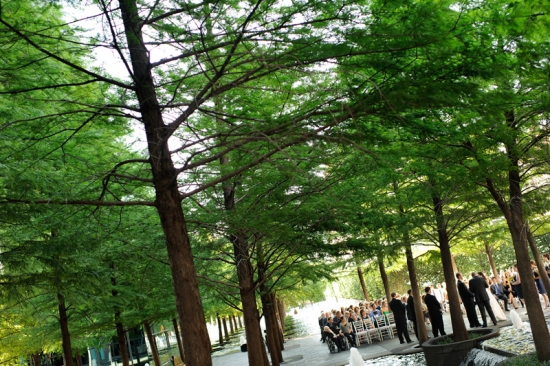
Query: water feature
478	357
516	320
415	359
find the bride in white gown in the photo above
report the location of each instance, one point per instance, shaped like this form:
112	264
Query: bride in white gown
497	310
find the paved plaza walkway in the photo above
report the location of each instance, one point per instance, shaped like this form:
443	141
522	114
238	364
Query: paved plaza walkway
309	351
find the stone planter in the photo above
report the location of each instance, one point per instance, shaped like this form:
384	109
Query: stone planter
452	354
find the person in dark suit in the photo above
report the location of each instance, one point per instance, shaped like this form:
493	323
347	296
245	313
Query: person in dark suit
478	286
411	313
434	309
322	322
497	289
467	297
399	314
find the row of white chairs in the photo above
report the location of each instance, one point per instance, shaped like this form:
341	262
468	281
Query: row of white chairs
366	332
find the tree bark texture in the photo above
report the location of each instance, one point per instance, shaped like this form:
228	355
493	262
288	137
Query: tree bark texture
362	281
78	358
220	334
384	277
538	260
224	321
457	321
272	329
489	252
282	313
178	337
240	322
518	229
65	336
167	195
234	322
420	325
152	343
455	267
122	346
231	329
35	359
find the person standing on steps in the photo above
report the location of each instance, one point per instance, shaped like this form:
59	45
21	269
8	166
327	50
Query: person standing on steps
400	316
467	297
478	286
434	309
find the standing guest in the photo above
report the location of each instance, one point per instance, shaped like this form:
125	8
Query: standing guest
478	286
546	258
322	322
516	284
425	310
467	297
538	282
434	309
497	289
508	289
411	312
399	314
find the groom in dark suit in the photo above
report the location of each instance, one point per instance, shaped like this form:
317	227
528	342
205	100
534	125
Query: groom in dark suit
467	297
478	286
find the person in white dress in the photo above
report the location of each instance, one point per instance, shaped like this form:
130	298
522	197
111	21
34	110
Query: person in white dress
497	310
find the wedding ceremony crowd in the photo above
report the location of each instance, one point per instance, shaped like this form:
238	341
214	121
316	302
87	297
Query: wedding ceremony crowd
481	297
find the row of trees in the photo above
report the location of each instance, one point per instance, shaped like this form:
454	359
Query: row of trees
260	137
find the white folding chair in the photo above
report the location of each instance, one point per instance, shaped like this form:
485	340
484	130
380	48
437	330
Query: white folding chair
383	327
371	330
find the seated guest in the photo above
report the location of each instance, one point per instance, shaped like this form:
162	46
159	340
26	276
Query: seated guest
347	331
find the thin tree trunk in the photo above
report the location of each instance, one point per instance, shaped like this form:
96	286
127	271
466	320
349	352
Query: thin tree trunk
224	321
518	229
65	336
457	321
231	329
384	278
280	322
362	281
271	326
538	260
489	252
78	359
167	195
152	343
178	338
282	313
234	322
220	335
455	267
240	322
420	325
122	346
36	359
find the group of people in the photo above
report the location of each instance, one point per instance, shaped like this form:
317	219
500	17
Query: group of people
478	290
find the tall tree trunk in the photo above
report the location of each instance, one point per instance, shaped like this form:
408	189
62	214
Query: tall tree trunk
152	343
518	229
178	338
282	313
65	336
384	278
234	322
231	329
220	335
78	359
362	281
240	322
489	252
35	359
167	196
420	325
280	322
455	267
123	348
272	329
538	260
224	320
457	321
